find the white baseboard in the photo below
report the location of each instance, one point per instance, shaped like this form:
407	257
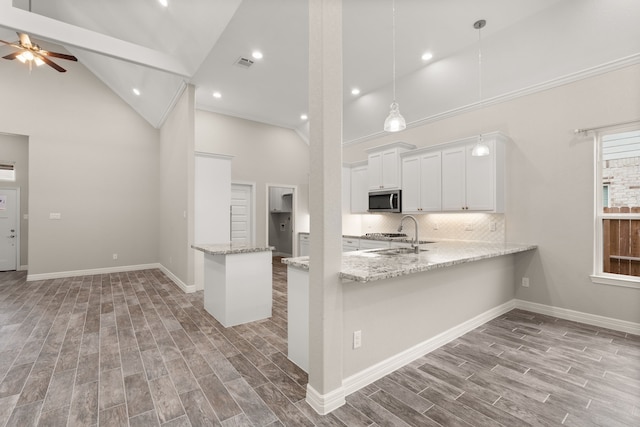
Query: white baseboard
367	376
363	378
578	316
108	270
187	289
90	272
325	403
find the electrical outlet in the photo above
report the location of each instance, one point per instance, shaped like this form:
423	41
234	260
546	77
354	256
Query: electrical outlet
493	226
115	256
435	225
468	227
525	282
357	339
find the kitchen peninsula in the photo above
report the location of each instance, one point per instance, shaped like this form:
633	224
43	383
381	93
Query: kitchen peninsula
403	303
237	282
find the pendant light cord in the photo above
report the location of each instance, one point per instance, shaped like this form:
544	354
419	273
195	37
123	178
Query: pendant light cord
393	45
480	66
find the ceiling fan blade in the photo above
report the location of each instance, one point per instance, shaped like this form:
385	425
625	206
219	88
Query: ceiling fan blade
24	39
13	55
59	55
51	63
11	44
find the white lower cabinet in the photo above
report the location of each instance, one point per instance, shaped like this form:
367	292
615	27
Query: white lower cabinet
373	244
350	244
303	245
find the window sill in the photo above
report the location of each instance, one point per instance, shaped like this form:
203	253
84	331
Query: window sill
616	280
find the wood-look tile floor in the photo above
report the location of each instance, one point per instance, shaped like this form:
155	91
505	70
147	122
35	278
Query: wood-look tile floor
131	349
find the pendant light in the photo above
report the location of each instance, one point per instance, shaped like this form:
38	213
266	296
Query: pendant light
480	149
394	122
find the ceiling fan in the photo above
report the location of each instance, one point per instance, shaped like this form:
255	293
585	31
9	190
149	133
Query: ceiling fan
32	53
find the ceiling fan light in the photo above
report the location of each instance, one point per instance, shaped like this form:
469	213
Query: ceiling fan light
22	58
38	61
394	121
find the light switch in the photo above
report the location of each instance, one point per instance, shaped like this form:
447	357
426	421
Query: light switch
55	215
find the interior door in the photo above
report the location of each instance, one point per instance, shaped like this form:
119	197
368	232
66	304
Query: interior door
9	229
241	214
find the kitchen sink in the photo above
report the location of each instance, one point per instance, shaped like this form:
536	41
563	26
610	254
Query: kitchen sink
396	251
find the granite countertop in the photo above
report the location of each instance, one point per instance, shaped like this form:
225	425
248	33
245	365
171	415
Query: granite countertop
406	239
230	248
369	265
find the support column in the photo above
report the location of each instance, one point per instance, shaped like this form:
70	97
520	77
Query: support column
324	391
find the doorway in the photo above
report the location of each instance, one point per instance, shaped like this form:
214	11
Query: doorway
9	229
242	213
281	208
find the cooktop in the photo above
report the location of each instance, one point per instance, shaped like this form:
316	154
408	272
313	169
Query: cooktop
385	235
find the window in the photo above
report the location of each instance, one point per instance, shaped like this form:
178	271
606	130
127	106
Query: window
7	171
617	257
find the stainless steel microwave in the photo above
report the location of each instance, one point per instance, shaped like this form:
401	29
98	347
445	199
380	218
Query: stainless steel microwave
385	201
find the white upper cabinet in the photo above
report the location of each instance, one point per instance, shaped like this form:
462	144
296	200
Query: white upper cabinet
359	189
384	165
453	179
280	199
448	178
474	183
421	182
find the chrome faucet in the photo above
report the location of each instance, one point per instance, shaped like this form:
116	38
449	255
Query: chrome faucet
415	245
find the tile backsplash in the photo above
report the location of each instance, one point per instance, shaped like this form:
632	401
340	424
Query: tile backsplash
486	227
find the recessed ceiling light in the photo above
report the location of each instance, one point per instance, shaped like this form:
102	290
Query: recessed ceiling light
303	117
136	91
355	91
217	95
256	54
427	56
164	3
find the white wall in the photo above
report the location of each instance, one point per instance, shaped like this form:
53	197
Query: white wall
15	148
176	189
397	314
550	188
263	154
92	159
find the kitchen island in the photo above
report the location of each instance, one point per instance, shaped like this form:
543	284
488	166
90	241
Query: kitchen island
237	282
404	303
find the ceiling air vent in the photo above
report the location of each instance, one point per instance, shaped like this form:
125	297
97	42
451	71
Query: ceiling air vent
244	62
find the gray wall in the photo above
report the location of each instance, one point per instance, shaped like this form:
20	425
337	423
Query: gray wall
550	183
92	159
176	189
263	154
15	148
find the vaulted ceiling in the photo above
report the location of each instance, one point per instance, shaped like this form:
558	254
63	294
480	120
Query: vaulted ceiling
527	45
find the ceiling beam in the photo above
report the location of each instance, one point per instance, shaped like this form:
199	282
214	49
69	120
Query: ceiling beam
65	34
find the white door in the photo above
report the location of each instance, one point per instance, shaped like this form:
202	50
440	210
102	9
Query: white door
9	239
241	214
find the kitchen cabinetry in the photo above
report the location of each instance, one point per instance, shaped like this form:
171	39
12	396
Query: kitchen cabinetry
303	244
359	188
421	182
384	165
350	244
473	183
280	199
373	244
